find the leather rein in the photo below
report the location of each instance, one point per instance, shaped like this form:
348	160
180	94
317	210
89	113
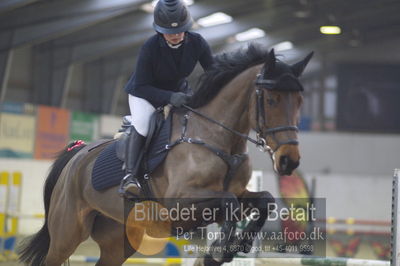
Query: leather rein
261	135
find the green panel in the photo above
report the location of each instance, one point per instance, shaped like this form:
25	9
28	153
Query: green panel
83	126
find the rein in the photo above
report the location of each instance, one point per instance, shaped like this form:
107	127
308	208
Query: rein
260	142
237	133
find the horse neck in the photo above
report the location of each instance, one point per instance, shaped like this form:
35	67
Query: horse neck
231	107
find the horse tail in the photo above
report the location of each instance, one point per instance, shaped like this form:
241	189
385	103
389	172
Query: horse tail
33	250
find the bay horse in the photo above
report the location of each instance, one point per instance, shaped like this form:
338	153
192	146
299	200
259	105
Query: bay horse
245	89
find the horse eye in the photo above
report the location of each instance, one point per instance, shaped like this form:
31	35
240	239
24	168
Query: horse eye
271	101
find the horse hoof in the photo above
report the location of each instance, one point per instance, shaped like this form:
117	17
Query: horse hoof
199	262
229	256
247	247
208	260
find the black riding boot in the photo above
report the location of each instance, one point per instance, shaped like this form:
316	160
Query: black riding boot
133	158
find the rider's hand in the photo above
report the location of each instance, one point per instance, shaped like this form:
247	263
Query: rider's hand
178	99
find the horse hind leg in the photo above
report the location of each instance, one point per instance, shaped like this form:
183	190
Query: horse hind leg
67	230
110	236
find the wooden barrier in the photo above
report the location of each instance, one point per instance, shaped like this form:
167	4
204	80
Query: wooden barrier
10	193
4	176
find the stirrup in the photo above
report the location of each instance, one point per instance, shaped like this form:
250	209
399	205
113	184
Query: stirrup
126	182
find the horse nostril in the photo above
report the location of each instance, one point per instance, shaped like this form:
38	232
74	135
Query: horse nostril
284	162
287	165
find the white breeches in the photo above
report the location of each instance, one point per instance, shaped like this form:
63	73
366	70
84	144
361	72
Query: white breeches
141	111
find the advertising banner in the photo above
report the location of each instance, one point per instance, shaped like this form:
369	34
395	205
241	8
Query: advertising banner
17	135
18	108
52	132
83	126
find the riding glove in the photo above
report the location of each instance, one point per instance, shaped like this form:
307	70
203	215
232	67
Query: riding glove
178	99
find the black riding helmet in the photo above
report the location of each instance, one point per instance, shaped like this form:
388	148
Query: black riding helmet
171	17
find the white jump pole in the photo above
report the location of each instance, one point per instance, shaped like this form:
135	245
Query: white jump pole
395	219
321	262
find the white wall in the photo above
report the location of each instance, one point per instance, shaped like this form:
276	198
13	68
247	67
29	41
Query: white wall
353	171
347	196
361	154
342	153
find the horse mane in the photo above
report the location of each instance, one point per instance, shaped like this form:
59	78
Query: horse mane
226	66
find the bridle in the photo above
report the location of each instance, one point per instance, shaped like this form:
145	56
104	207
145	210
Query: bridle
272	85
260	141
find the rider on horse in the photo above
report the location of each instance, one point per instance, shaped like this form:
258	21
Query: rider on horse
164	62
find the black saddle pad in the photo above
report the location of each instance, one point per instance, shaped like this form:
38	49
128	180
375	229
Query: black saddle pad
107	170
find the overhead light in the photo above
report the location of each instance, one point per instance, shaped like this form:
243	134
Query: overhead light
214	19
188	2
330	30
253	33
283	46
149	7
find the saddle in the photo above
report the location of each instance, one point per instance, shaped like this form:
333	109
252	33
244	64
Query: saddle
157	135
108	168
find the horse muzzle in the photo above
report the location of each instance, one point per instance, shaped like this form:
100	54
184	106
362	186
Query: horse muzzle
286	159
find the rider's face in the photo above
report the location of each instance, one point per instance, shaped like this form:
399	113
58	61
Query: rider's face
174	38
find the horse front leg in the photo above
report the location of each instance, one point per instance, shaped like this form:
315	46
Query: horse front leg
258	201
226	204
230	243
221	249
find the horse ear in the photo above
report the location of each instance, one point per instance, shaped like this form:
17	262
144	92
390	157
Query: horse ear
299	67
271	60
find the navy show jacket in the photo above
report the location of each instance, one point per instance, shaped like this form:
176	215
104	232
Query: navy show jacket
157	74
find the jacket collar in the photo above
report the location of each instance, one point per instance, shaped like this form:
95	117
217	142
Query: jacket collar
163	43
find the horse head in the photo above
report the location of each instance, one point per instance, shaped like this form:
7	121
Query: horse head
276	111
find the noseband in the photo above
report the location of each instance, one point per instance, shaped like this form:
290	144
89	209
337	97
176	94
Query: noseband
273	85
